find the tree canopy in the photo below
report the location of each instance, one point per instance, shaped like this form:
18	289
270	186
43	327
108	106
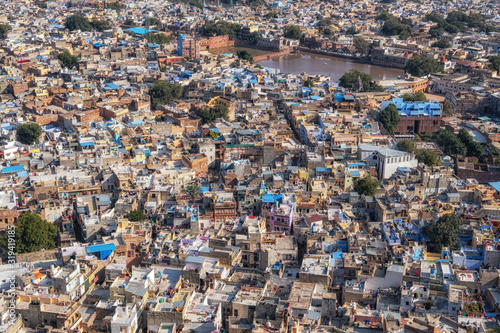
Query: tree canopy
495	63
428	157
221	28
79	22
415	97
4	29
394	26
351	31
447	108
360	44
253	38
159	38
152	21
406	145
292	31
136	216
327	32
450	143
389	117
421	66
32	233
193	190
366	186
218	111
114	5
29	133
163	92
129	21
458	21
68	60
444	232
324	22
271	15
474	148
349	79
245	55
442	43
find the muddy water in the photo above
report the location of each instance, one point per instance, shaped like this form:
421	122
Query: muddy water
331	66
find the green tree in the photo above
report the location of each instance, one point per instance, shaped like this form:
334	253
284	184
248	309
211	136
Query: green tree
393	26
366	186
470	57
349	79
42	4
193	190
114	5
389	117
68	60
129	21
443	43
253	38
416	97
450	143
100	25
159	38
181	16
360	44
31	233
221	28
406	145
78	22
196	4
136	216
324	22
447	109
163	92
245	55
292	31
474	148
152	21
428	157
422	66
4	29
426	137
163	68
29	133
444	232
327	32
351	31
308	83
259	66
271	15
494	63
218	111
384	16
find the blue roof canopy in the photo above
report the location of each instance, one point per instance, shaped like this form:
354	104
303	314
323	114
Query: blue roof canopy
13	168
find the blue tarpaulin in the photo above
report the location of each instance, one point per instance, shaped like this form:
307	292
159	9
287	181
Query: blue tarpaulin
103	249
22	174
13	168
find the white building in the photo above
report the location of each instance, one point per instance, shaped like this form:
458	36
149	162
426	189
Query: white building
125	319
386	160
